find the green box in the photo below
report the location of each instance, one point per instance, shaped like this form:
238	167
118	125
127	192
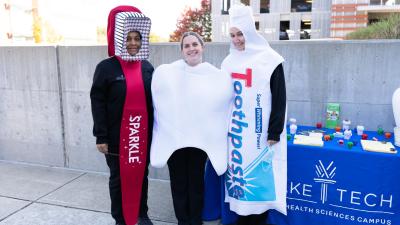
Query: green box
332	115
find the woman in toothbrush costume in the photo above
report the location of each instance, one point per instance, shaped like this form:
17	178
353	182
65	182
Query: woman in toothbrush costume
123	113
192	102
257	173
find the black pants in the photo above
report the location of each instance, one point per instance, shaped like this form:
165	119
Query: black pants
186	171
115	188
260	219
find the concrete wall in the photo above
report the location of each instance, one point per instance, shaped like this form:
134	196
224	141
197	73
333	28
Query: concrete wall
45	115
30	115
77	65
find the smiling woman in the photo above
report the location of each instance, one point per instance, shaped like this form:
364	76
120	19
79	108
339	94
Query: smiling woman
191	101
192	48
237	38
133	42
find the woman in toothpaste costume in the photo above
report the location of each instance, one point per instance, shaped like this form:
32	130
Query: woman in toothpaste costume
192	101
257	174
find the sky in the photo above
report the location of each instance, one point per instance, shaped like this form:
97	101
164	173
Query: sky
163	13
79	18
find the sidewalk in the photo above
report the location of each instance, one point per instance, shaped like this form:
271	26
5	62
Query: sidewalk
37	195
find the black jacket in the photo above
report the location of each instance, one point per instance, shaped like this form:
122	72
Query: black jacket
108	98
278	104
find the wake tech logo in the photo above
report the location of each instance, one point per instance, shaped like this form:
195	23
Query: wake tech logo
358	206
325	176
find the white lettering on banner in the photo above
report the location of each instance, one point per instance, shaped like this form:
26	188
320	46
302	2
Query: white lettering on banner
305	189
339	215
134	125
367	199
353	197
377	207
341	193
294	188
300	208
367	203
388	201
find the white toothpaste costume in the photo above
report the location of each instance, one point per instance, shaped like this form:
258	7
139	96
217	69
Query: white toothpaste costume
191	109
257	174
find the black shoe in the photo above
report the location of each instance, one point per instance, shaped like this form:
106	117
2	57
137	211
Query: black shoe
144	221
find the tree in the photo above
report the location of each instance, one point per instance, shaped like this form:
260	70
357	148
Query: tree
388	28
101	35
37	29
197	20
37	22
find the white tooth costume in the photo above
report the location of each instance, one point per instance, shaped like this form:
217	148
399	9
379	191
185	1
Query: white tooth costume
257	175
191	109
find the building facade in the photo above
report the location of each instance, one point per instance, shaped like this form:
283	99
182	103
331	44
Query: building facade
303	19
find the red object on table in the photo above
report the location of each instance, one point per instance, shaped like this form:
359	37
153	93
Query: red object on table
364	136
388	135
327	137
341	142
338	129
319	125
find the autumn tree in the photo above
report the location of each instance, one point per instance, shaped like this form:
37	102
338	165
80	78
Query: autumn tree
197	20
37	29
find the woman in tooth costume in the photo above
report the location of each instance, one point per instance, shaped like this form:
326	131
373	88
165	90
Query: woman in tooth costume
192	102
257	173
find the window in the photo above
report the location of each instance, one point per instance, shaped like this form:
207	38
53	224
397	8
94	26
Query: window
375	2
245	2
381	2
284	26
264	6
373	20
305	29
226	4
301	5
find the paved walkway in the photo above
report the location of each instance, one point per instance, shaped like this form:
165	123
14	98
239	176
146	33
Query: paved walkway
36	195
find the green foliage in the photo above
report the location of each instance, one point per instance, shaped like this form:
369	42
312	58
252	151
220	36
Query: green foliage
385	29
197	20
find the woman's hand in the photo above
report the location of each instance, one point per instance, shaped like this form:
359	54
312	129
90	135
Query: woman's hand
272	142
103	148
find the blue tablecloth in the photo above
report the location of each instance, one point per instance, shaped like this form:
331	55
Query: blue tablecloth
328	185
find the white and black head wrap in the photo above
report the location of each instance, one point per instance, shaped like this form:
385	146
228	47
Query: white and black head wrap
126	22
